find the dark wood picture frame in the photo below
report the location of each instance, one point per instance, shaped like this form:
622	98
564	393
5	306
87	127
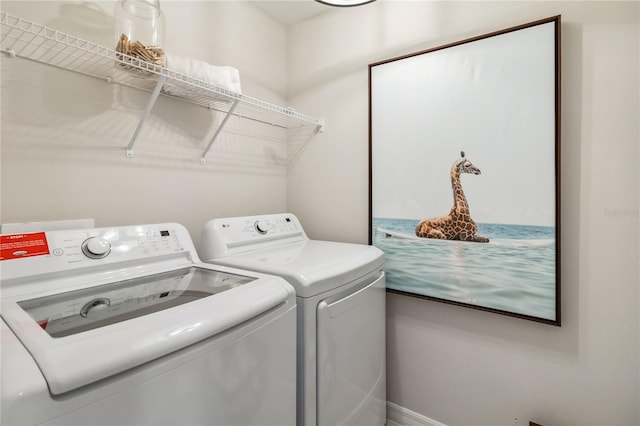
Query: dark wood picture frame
493	100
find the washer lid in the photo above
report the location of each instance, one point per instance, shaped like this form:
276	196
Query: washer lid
85	335
312	267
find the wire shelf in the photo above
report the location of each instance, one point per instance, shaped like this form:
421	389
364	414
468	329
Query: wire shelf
28	40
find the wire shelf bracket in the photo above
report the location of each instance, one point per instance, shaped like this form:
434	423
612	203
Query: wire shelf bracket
145	115
218	130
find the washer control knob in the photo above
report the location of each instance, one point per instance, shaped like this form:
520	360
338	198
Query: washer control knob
95	307
96	247
261	227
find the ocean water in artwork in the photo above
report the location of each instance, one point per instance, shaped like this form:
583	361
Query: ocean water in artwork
515	272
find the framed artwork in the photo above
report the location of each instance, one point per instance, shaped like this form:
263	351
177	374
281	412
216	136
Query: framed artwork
464	178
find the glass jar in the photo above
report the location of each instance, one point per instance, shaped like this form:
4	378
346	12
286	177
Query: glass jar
139	29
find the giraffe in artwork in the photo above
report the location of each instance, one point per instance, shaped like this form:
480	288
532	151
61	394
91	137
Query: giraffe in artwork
457	225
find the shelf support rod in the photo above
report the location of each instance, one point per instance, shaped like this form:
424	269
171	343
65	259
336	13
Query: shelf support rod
218	130
145	114
318	128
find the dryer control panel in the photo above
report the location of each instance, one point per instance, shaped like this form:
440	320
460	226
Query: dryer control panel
227	236
32	254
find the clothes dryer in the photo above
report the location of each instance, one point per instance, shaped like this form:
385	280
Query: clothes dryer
340	291
125	326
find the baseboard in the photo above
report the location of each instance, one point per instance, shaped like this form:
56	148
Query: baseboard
400	416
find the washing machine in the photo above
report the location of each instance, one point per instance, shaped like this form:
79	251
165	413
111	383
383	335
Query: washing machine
340	292
125	326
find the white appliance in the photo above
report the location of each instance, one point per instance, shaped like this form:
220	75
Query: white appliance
340	291
125	326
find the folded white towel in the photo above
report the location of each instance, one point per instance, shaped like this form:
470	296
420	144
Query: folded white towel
222	76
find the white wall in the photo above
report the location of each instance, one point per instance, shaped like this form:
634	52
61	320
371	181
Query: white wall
466	367
63	134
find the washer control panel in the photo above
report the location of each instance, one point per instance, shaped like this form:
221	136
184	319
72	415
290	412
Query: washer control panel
70	249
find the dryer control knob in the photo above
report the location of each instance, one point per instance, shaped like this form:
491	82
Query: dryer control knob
261	227
96	248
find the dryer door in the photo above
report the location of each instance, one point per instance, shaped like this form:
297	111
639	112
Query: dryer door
351	372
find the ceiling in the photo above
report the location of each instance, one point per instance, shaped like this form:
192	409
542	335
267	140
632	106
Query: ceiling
291	12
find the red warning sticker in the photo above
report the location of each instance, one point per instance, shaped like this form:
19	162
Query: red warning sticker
17	246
